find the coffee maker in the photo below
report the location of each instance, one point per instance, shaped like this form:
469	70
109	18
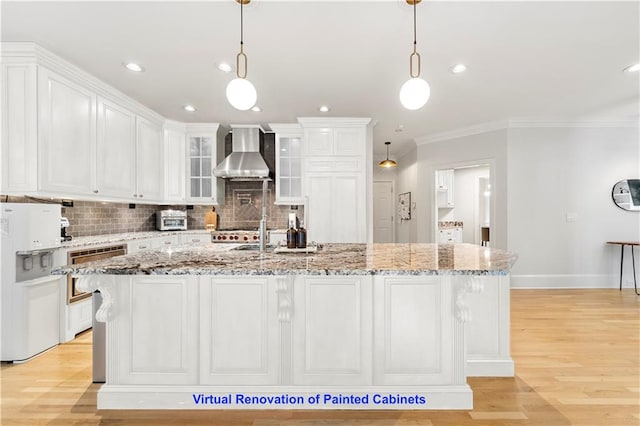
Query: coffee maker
64	224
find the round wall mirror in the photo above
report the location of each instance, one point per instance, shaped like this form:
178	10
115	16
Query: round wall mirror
626	194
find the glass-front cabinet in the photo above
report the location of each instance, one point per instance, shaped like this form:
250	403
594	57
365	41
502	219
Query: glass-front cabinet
205	149
288	164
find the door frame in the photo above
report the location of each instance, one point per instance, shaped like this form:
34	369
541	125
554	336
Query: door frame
393	207
491	163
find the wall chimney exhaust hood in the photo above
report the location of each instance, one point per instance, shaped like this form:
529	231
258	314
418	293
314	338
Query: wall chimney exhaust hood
245	162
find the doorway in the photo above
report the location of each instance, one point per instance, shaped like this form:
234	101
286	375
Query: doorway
383	212
463	204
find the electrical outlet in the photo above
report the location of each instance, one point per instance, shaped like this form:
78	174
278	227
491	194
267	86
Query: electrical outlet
572	217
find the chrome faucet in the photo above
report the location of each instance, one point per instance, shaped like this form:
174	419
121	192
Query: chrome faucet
262	231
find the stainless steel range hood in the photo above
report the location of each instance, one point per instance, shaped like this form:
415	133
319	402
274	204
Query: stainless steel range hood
245	161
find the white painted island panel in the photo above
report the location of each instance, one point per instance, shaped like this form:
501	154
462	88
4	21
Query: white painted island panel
332	323
238	331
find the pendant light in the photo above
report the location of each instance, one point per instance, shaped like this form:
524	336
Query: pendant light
240	92
387	163
415	92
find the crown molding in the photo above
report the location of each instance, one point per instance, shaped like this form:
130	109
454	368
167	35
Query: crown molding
309	122
523	124
29	52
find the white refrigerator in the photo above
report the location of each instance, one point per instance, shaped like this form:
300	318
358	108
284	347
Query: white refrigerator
30	308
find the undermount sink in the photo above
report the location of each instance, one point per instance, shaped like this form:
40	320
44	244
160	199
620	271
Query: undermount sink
250	247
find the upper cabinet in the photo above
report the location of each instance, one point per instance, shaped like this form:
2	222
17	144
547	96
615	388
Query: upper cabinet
149	160
444	188
116	168
205	149
288	163
174	162
66	135
336	141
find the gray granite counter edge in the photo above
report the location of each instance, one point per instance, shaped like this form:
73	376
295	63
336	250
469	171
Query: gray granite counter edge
271	272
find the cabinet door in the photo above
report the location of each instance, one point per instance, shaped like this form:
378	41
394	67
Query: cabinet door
19	154
318	142
289	169
116	155
349	141
319	207
412	322
174	174
66	135
449	180
332	328
348	208
149	161
238	331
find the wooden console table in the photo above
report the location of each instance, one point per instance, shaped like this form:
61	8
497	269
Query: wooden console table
633	261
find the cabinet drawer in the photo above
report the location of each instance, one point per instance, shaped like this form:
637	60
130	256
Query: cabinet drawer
332	164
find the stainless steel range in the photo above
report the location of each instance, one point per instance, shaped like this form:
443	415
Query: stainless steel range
235	236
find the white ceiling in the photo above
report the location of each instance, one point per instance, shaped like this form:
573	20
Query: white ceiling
526	60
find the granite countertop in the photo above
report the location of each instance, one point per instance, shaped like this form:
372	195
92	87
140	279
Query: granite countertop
331	259
448	224
99	240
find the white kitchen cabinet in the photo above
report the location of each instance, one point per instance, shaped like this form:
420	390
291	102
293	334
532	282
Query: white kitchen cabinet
205	149
149	160
19	128
174	164
66	135
239	342
411	316
332	329
115	152
334	141
288	163
450	235
336	207
445	188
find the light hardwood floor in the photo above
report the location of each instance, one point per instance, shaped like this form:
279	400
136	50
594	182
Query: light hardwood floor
576	353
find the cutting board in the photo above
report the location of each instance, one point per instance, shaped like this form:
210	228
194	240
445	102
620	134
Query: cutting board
211	220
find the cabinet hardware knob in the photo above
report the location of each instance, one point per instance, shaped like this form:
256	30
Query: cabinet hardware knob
167	242
141	195
95	191
135	195
142	247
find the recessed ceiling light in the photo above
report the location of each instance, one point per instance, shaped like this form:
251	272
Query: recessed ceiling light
225	67
256	109
458	68
190	108
324	108
633	68
132	66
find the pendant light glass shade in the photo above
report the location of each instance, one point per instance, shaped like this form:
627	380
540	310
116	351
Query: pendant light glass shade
415	92
387	163
241	94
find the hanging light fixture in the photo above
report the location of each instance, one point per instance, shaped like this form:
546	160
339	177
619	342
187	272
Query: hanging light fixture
387	163
415	91
240	92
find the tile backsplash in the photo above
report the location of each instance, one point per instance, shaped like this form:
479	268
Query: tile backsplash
242	209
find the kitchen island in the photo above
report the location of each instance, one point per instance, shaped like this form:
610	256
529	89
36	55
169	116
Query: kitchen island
353	326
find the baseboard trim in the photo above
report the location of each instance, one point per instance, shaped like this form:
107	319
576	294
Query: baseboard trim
490	368
567	281
134	397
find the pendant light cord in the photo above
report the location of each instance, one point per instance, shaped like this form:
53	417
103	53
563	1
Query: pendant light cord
241	55
415	52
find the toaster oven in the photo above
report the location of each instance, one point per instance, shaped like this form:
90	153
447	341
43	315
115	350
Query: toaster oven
171	220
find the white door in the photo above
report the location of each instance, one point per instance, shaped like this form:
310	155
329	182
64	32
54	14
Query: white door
383	214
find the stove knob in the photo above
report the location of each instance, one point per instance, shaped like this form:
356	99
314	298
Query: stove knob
236	237
255	237
246	238
224	237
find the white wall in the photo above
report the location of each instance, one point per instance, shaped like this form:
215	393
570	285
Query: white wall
555	171
406	231
486	148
